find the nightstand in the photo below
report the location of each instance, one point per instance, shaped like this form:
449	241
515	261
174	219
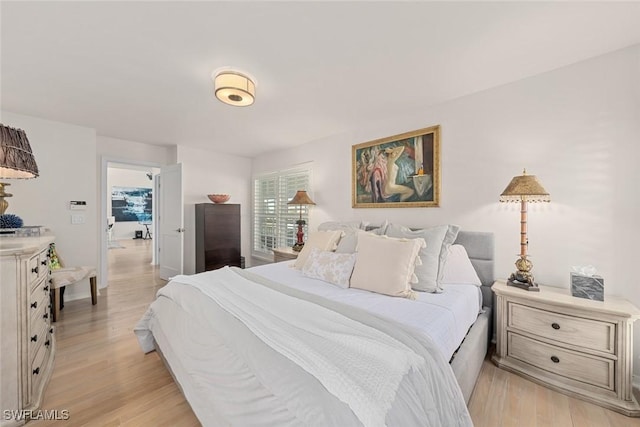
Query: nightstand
284	254
576	346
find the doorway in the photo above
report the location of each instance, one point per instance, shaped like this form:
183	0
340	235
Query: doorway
129	206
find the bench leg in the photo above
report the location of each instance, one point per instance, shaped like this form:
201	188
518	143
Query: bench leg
56	305
94	290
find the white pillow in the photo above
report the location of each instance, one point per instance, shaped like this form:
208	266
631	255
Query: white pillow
458	269
385	265
329	267
433	256
323	240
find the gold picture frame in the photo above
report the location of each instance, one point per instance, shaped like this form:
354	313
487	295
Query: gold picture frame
400	171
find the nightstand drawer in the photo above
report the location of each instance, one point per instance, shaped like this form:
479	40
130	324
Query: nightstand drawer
579	332
593	370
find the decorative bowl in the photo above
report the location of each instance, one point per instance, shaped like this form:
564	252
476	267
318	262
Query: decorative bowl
219	198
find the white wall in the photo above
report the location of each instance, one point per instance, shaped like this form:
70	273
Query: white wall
206	172
576	128
119	177
65	156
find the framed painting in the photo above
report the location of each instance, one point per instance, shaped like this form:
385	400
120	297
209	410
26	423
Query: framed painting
401	171
131	203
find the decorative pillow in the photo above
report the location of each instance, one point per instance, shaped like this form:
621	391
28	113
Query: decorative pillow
458	269
379	229
329	267
323	240
433	256
386	265
349	242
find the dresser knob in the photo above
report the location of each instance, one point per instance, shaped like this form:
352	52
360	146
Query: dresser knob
50	330
34	304
43	262
555	326
50	281
34	338
36	371
47	343
35	270
45	316
46	288
554	359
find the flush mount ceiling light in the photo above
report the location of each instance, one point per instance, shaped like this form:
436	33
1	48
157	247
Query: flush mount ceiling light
234	88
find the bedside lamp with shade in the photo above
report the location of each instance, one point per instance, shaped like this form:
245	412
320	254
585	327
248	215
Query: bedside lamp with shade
16	160
524	188
301	198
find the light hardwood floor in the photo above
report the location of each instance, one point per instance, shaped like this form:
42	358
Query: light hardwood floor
103	379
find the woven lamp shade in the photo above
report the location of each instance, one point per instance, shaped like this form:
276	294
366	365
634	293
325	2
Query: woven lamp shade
301	198
16	158
525	188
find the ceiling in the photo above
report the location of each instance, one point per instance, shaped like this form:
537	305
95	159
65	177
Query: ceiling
141	70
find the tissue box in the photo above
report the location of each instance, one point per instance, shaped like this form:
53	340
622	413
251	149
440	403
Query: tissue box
589	287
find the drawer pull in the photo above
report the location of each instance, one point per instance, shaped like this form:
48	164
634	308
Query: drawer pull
44	262
47	343
555	326
35	269
34	304
45	316
46	288
34	338
36	371
50	330
554	359
50	281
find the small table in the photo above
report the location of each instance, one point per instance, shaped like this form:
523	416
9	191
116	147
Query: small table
577	346
146	224
284	254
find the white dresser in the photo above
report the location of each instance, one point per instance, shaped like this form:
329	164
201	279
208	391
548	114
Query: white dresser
27	346
581	347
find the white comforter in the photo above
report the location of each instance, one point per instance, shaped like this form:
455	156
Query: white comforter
444	317
231	376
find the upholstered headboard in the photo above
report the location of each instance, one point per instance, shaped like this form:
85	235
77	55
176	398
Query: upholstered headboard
480	247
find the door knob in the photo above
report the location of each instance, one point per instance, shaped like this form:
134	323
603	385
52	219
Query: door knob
180	230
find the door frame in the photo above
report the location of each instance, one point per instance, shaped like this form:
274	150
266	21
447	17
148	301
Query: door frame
102	233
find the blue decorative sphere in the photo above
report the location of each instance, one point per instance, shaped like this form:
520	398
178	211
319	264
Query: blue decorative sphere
10	221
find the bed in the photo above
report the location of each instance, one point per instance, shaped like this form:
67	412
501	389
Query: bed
249	364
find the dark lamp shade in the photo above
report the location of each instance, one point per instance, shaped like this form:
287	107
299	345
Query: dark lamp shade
525	188
301	198
16	158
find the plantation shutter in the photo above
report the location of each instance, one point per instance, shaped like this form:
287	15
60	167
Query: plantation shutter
275	222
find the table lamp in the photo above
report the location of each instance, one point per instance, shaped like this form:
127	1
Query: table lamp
524	188
301	198
16	160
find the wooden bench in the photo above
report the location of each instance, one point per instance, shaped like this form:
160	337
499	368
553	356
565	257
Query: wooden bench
62	277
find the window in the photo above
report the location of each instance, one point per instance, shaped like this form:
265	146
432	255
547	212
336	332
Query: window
274	222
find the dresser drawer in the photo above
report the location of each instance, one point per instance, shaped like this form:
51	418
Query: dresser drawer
39	296
579	332
593	370
36	339
38	369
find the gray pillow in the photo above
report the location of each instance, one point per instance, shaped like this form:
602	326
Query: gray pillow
349	242
433	256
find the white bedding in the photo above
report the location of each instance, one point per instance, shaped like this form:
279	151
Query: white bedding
444	317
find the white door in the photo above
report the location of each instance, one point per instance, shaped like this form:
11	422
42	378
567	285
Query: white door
171	222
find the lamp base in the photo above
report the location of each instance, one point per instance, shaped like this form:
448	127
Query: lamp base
298	247
527	285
